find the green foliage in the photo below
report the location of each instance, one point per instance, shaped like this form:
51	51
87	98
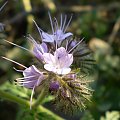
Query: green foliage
16	90
94	22
27	114
87	116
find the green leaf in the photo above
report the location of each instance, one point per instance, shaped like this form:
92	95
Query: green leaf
16	90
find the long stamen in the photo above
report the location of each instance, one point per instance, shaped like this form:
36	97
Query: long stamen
39	29
38	81
3	5
64	23
17	70
31	39
76	45
66	45
23	82
14	62
19	84
26	77
56	44
69	43
16	80
68	24
32	96
61	22
51	22
18	46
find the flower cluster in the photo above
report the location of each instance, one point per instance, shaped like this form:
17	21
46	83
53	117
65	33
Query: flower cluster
63	58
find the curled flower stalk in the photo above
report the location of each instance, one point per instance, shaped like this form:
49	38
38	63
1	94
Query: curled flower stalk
64	59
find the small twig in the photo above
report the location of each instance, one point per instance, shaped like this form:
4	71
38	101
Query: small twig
39	99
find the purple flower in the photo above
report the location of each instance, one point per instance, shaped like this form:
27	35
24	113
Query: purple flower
58	32
39	50
32	78
58	63
54	85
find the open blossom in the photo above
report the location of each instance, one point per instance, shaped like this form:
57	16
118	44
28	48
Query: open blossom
59	62
58	32
32	77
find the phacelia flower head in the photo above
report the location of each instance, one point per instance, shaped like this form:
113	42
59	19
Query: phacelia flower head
64	61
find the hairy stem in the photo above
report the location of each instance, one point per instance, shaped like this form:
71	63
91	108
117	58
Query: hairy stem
40	98
25	103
